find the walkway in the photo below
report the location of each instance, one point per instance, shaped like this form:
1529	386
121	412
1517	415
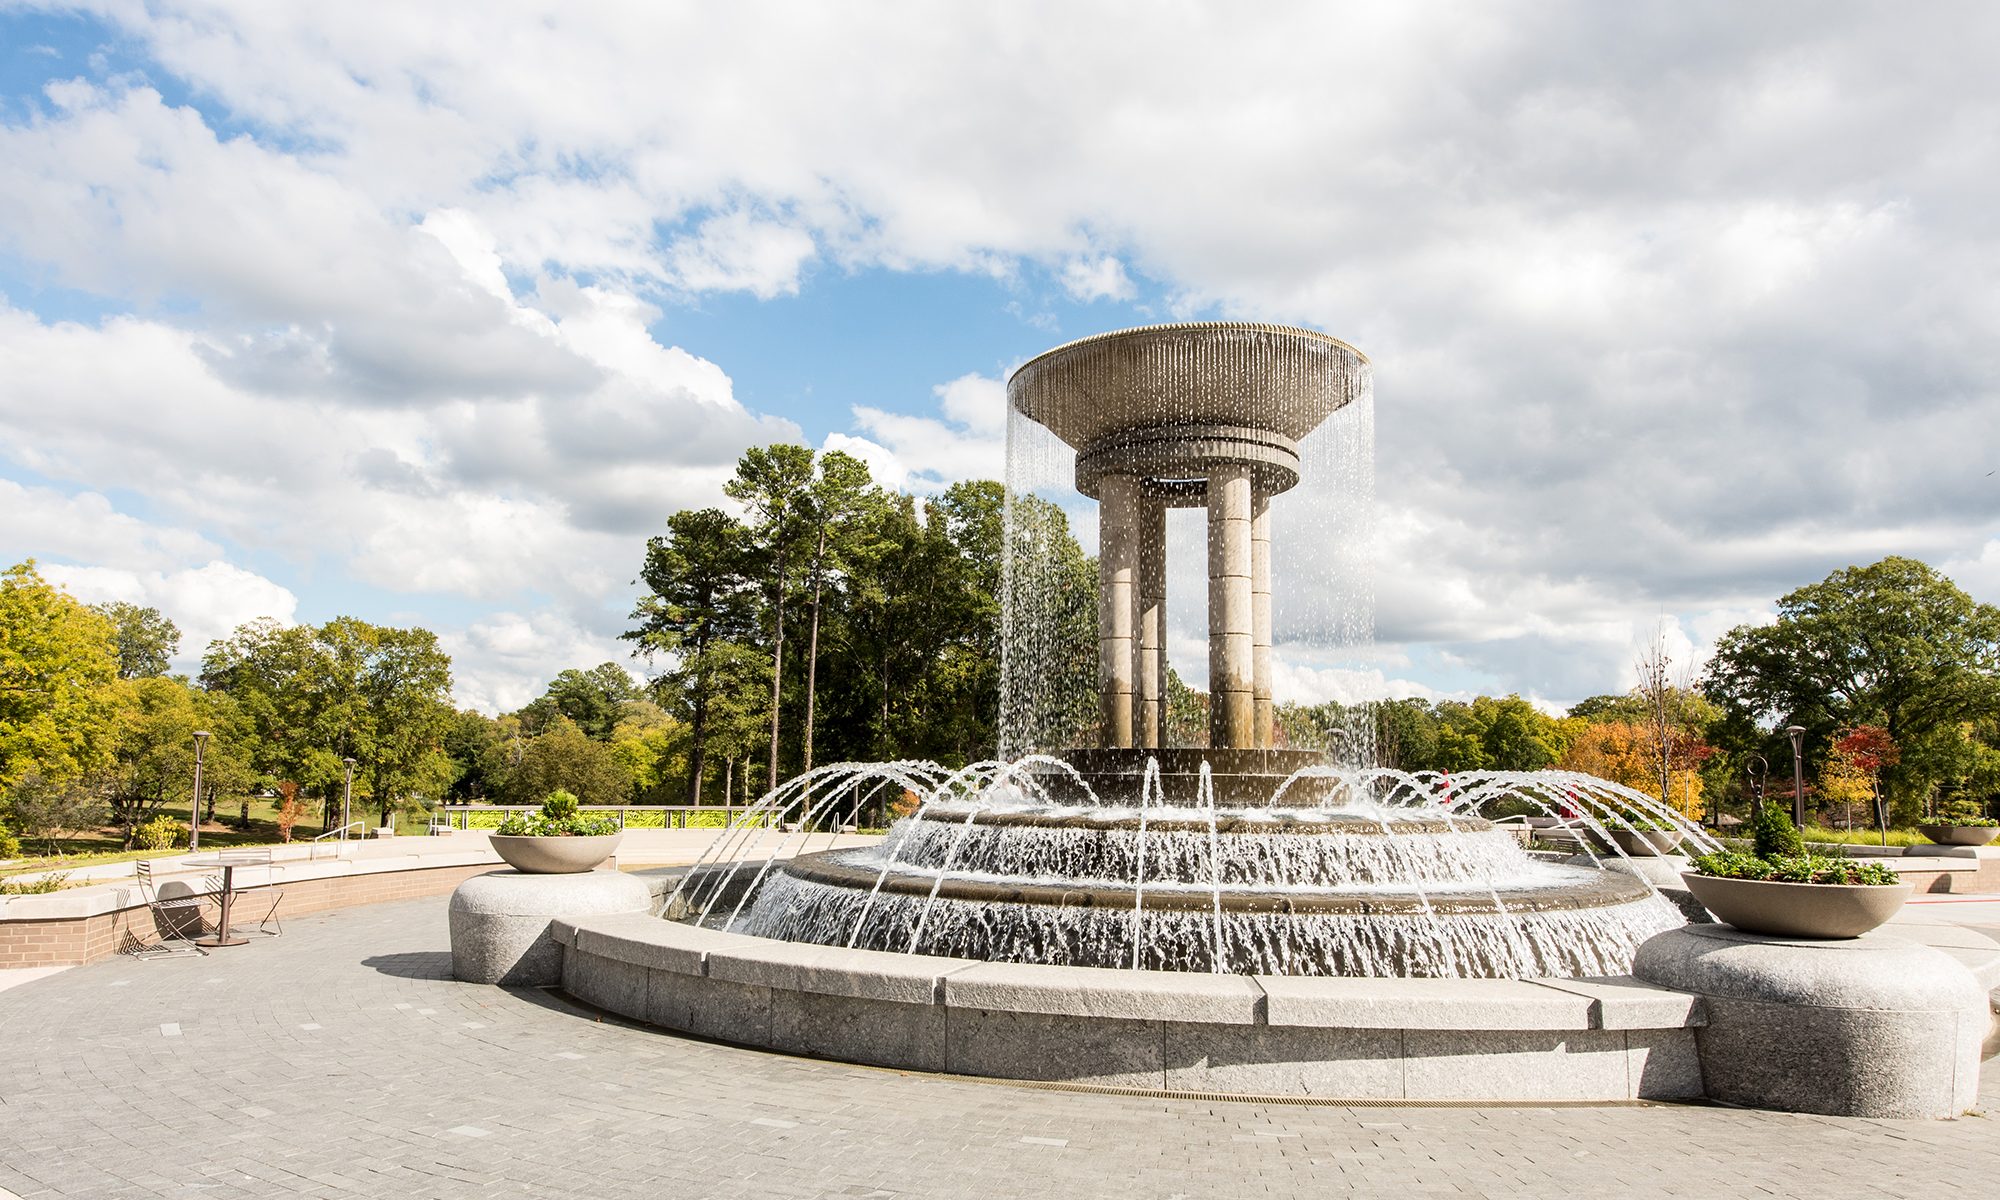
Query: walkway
338	1060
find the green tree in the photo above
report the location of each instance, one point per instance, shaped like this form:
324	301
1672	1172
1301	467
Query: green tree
406	710
594	699
651	747
1893	644
44	810
563	756
836	510
481	752
282	682
226	767
774	485
58	662
153	765
147	640
696	614
1406	735
347	689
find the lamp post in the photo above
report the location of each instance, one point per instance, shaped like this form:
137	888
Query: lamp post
1798	735
194	813
346	798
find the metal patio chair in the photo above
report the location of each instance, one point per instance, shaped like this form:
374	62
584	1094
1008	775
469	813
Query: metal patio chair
176	919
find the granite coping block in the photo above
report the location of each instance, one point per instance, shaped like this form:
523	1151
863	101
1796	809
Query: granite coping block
1622	1002
646	940
1462	1004
836	971
1098	992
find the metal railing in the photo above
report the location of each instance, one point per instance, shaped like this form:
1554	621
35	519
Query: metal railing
672	816
340	833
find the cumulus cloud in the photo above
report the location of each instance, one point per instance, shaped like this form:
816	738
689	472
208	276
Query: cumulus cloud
1669	313
86	526
206	602
1103	278
969	441
503	661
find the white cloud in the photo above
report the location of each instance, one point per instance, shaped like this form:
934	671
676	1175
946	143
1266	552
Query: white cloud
739	253
975	401
928	453
1103	278
505	660
1668	317
1296	684
206	602
41	522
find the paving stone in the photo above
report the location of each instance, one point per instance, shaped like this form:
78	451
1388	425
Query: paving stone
94	1102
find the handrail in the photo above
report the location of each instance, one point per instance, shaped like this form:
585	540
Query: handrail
314	853
460	814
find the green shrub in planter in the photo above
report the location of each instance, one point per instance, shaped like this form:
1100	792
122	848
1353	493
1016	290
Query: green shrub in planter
1966	814
559	818
1774	836
1795	868
1640	824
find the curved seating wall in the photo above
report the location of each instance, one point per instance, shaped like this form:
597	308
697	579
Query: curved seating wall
1416	1039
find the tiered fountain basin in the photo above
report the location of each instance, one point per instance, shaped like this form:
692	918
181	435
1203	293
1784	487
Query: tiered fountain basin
1381	892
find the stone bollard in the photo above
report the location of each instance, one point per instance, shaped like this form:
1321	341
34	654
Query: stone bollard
1873	1026
500	921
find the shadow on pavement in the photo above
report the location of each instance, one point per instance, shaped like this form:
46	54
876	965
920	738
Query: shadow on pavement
416	964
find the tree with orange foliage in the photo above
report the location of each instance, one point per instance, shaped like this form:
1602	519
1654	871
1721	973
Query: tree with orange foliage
1859	755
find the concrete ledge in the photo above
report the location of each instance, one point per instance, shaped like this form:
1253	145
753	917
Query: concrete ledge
1102	994
1599	1039
1447	1004
835	971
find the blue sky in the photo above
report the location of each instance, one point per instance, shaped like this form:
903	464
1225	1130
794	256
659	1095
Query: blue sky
379	310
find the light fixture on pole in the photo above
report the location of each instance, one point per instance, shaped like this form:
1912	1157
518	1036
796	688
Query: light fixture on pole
346	798
194	813
1798	734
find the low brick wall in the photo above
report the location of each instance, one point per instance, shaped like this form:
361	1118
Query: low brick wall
26	941
1983	881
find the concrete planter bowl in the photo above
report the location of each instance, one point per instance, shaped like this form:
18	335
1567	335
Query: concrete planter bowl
1647	843
555	855
1804	910
1960	835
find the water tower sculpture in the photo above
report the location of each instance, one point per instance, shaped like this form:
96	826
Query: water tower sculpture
1187	416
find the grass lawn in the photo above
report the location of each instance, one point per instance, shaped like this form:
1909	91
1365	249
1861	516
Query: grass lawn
1863	837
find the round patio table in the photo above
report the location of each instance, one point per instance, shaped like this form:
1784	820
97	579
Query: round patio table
228	861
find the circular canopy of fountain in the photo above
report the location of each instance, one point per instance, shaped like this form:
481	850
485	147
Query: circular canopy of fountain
1169	416
1168	403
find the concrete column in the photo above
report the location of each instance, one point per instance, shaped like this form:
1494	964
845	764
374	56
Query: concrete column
1260	617
1117	603
1231	678
1150	667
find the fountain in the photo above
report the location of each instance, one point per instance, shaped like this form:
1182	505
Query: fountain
1128	897
1240	856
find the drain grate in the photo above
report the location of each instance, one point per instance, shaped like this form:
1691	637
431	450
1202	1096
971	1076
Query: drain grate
1100	1089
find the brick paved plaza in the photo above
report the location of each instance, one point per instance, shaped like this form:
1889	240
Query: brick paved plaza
339	1060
